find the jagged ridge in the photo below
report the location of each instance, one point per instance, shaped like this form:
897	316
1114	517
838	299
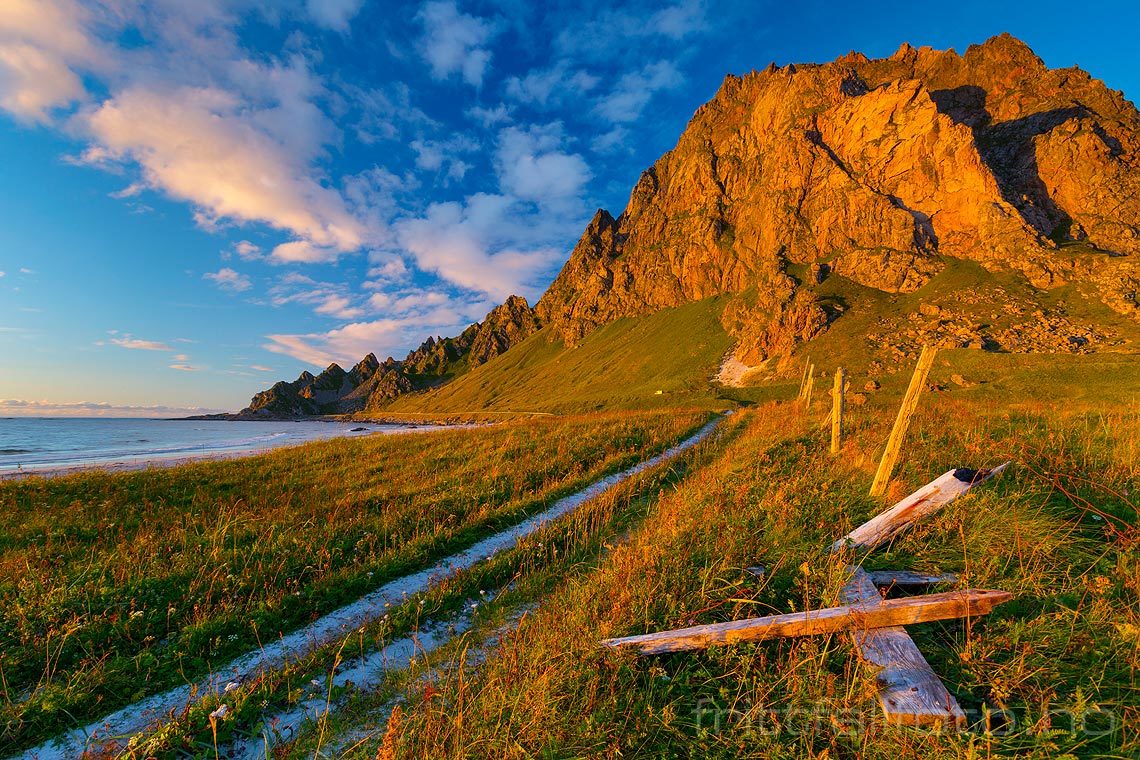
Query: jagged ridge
371	383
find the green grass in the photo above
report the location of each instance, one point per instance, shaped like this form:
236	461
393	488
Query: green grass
113	587
1059	530
523	575
621	366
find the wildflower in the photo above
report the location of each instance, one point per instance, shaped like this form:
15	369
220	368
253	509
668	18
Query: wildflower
474	605
316	683
230	687
219	713
136	614
482	592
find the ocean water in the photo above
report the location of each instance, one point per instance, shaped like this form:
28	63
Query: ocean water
52	443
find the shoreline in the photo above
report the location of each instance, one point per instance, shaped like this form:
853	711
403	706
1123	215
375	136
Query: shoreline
159	462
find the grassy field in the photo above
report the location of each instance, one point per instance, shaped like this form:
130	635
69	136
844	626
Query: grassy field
1052	674
113	587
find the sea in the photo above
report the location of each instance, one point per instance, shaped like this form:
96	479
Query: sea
40	443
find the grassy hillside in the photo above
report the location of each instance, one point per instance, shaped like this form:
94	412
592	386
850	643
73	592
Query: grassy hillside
669	359
1052	674
623	365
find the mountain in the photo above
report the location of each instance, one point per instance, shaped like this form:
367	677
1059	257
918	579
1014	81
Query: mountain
371	383
877	171
976	200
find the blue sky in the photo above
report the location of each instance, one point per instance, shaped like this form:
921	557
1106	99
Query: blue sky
201	198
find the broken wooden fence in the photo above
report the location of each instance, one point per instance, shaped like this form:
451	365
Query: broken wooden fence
910	693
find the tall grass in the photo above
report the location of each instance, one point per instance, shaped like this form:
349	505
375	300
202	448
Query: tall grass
1051	674
116	586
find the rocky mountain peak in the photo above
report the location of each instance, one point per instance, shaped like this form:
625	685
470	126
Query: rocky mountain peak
878	171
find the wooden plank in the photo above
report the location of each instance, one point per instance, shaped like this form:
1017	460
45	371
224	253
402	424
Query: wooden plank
808	385
910	692
925	501
902	421
905	578
837	412
862	616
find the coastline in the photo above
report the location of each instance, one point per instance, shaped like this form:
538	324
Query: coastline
161	462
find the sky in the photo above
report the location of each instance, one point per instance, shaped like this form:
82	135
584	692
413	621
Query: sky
200	198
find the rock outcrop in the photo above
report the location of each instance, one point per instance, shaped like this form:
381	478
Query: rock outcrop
877	171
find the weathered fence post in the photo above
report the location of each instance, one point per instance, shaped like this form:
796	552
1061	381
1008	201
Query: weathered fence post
808	384
898	432
837	411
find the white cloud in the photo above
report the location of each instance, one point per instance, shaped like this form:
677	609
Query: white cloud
490	117
420	301
2	273
384	113
635	89
261	368
326	298
183	367
386	268
303	252
25	408
383	337
680	20
454	42
344	345
239	137
474	245
433	155
228	279
541	86
43	46
338	306
505	243
333	14
619	33
532	166
141	345
247	251
208	146
610	141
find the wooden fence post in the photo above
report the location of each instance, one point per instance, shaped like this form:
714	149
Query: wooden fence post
837	411
898	432
806	398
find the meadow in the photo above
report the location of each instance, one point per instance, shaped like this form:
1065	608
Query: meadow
116	586
1051	674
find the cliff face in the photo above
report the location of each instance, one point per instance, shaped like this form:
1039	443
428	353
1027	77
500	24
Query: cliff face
371	383
877	171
